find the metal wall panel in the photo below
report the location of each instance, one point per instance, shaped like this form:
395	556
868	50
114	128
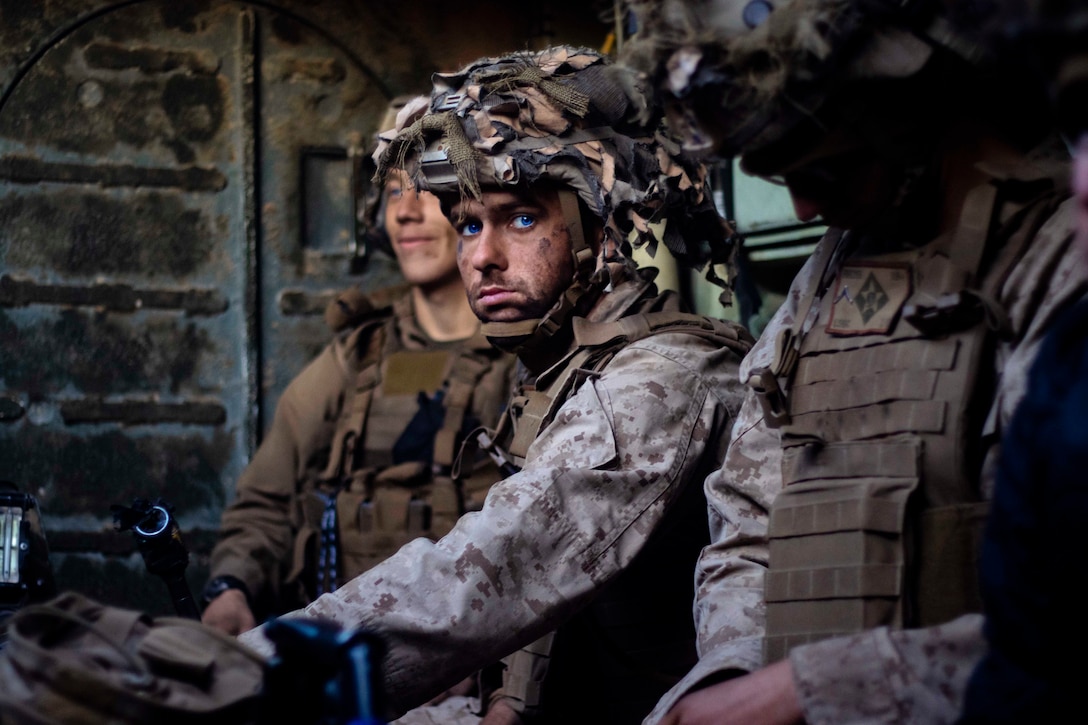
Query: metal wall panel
149	206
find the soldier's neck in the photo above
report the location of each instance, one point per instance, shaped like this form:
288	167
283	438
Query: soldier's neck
443	313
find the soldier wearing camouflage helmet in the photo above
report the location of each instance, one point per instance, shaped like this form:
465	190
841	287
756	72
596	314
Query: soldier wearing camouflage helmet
359	456
879	392
550	165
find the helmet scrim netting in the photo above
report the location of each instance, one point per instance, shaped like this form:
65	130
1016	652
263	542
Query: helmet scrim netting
569	117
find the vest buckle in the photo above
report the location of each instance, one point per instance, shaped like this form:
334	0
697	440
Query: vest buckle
775	409
950	313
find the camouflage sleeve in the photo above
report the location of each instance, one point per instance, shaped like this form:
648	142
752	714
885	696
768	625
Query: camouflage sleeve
1047	281
917	675
256	535
597	483
729	612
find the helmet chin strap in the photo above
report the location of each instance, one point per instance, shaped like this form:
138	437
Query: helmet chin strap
540	342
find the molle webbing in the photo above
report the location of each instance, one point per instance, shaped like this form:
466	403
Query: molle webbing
381	506
374	525
403	376
596	343
351	424
364	436
465	375
879	517
385	506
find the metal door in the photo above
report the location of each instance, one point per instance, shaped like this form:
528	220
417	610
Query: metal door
177	186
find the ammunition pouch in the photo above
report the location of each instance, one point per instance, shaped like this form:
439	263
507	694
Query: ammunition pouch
394	507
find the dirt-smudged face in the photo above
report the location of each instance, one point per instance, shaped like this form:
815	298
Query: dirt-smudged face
514	253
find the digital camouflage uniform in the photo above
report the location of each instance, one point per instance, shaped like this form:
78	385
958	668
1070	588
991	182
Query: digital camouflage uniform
614	659
881	387
907	675
632	399
270	535
596	484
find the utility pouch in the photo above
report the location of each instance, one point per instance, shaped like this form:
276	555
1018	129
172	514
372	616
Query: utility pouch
950	539
374	528
309	507
73	660
375	520
837	547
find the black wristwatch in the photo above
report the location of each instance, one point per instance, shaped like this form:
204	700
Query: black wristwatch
220	584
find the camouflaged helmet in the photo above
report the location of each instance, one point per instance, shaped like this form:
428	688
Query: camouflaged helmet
738	75
569	117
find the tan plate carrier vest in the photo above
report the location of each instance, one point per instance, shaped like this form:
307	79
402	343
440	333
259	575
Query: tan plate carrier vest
880	516
381	506
533	408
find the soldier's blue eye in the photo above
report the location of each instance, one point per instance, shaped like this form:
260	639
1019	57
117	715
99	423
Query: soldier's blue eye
523	221
469	229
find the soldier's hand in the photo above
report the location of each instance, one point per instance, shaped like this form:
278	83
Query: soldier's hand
499	713
766	696
229	613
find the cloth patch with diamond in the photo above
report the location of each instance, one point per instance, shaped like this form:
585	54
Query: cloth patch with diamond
868	298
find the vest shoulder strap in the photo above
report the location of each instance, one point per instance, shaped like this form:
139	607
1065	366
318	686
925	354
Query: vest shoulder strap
349	427
616	334
596	343
474	361
351	308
